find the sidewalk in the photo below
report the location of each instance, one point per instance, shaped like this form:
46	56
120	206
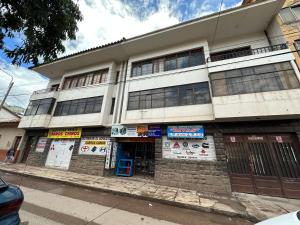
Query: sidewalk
250	206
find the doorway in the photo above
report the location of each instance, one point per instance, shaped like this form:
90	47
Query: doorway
267	164
142	154
27	149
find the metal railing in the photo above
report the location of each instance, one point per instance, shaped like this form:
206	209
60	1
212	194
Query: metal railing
247	52
46	90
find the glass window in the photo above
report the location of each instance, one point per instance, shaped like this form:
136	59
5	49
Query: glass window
171	96
197	58
136	70
67	83
97	104
134	99
65	108
287	15
103	77
158	98
112	107
146	68
296	11
89	79
158	65
97	78
186	95
201	93
183	60
73	107
58	109
42	106
170	63
89	105
272	77
81	80
74	82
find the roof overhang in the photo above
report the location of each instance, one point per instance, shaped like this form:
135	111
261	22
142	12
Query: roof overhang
243	20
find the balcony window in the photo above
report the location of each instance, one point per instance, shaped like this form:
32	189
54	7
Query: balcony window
41	106
190	94
272	77
167	63
290	14
96	77
79	106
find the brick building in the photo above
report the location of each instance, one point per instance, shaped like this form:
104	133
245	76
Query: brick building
210	104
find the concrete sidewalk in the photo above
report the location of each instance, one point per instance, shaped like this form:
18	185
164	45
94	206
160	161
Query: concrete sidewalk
253	207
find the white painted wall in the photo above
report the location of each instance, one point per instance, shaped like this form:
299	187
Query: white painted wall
272	103
36	121
7	136
91	119
6	116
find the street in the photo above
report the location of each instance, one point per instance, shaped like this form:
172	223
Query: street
50	203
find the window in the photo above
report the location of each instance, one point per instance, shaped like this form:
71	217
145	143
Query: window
171	62
54	87
230	54
41	106
112	107
96	77
117	77
190	94
79	106
290	14
272	77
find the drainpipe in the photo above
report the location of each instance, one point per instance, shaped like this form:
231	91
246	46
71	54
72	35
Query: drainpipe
122	92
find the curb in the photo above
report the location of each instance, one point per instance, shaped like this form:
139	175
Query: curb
141	197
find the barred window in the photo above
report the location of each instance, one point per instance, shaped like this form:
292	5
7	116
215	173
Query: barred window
170	62
79	106
272	77
41	106
190	94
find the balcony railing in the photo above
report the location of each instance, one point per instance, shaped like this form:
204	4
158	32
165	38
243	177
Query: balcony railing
246	52
46	90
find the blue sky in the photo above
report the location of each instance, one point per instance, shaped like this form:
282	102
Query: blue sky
105	21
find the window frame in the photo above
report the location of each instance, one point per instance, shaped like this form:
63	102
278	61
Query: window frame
35	105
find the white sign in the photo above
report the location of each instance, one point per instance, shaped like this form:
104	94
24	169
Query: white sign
94	146
129	131
41	144
200	149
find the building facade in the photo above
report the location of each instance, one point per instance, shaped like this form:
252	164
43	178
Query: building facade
10	135
210	105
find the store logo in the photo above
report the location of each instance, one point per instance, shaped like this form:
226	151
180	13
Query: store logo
195	146
203	151
176	145
85	148
185	144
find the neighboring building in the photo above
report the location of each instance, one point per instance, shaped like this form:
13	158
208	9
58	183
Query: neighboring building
10	134
207	105
288	26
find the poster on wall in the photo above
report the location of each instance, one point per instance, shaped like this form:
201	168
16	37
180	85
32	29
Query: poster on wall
41	144
65	133
153	131
94	146
202	149
194	131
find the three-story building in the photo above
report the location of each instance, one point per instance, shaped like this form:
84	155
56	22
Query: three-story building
210	104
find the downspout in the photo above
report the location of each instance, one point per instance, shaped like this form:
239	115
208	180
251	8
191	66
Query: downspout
122	92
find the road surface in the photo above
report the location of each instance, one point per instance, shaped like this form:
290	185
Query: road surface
50	203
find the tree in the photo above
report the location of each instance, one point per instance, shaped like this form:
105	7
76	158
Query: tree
42	24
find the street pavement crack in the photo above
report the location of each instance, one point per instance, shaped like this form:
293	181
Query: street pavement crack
101	214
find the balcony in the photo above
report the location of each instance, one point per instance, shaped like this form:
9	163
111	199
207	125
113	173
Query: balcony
245	51
45	93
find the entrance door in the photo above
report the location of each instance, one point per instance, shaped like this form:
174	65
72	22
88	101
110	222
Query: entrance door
60	153
264	164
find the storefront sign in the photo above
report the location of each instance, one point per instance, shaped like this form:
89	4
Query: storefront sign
41	144
203	149
65	133
93	146
135	131
185	131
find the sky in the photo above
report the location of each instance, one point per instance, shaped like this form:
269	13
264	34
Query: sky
105	21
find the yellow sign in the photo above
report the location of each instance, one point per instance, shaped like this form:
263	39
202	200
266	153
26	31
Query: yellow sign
96	142
65	133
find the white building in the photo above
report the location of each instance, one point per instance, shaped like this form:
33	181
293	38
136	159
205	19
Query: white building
211	104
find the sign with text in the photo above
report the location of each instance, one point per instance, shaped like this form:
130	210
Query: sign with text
202	149
65	133
194	131
93	146
41	144
136	131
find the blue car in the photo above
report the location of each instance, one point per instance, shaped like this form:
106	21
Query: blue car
11	199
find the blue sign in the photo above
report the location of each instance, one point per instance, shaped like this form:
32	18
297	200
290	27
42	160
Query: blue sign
154	131
195	131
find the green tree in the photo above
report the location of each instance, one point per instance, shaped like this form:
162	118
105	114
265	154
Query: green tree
42	25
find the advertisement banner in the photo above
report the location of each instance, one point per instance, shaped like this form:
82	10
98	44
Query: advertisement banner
135	131
65	133
41	144
195	131
203	149
94	146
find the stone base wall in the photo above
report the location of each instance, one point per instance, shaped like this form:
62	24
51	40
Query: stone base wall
38	158
201	176
87	164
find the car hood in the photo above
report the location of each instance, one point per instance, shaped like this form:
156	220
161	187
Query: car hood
10	193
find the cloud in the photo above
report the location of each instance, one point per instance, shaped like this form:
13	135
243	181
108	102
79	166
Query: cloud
25	82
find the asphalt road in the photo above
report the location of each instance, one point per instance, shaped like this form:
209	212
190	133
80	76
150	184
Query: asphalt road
50	203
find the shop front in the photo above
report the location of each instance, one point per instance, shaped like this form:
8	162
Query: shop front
136	149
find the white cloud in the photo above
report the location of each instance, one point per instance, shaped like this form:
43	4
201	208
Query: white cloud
25	82
110	20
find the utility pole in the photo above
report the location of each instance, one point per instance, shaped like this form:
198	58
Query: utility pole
9	88
5	96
